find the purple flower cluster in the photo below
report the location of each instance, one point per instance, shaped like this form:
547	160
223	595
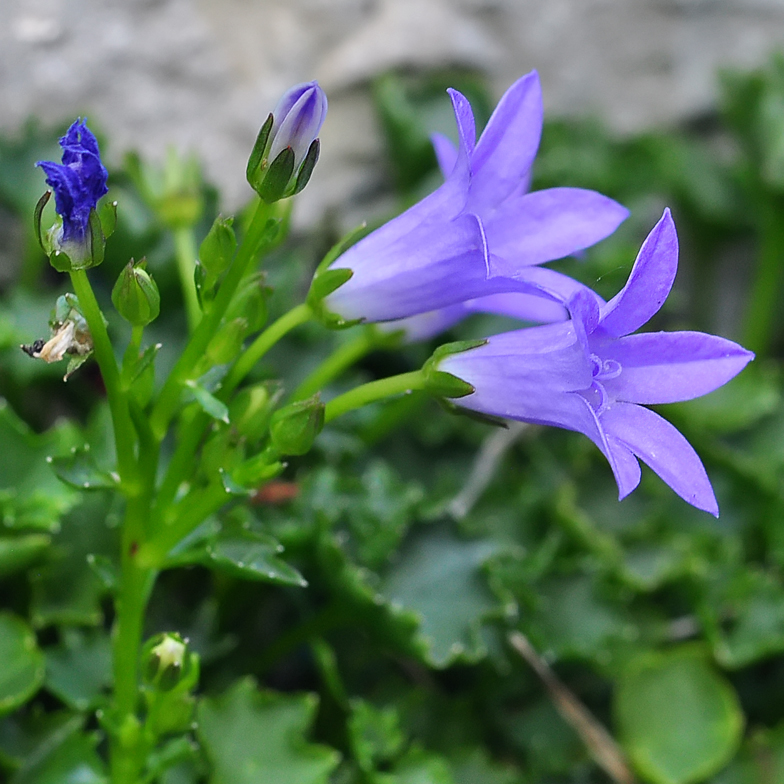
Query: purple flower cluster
78	182
477	243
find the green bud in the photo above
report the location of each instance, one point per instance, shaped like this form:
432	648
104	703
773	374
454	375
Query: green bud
251	409
294	427
217	249
226	344
258	469
167	662
135	295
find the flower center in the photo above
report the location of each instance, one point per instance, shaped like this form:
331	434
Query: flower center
602	370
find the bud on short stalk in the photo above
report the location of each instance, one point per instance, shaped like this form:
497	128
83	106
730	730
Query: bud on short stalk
294	428
167	662
135	295
287	146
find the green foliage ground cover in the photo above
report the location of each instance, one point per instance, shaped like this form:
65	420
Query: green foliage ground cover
352	620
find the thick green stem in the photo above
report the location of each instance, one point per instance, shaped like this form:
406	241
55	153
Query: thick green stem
337	363
185	248
197	509
104	354
263	343
372	392
169	398
764	300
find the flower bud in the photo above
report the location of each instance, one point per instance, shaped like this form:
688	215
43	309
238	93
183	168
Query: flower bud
294	427
135	294
251	409
167	662
287	146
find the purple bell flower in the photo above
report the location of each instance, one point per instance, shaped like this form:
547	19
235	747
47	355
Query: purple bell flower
78	183
480	233
592	375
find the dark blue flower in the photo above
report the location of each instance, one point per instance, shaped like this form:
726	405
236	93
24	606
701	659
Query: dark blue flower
78	182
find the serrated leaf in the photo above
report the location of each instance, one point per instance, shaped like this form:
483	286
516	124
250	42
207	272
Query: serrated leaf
21	663
79	669
247	555
65	590
73	761
31	496
438	577
79	470
251	736
679	719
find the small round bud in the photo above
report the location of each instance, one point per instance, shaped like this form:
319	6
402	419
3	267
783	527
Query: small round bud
135	295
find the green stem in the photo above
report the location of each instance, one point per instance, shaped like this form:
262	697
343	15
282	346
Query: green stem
185	249
337	363
169	398
130	357
104	354
127	757
372	392
764	301
195	511
263	343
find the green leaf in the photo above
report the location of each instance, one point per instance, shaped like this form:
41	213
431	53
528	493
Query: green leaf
31	496
24	732
21	663
252	736
78	670
18	552
65	590
73	761
438	578
679	719
247	555
79	470
376	737
208	402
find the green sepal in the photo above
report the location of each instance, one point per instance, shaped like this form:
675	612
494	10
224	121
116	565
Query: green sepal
135	294
341	246
441	384
107	212
256	160
258	469
37	215
61	261
217	249
307	166
208	402
97	243
276	180
485	419
324	283
294	428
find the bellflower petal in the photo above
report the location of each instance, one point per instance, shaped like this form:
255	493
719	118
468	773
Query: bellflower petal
549	224
583	376
649	283
410	272
298	118
507	148
446	153
668	367
663	449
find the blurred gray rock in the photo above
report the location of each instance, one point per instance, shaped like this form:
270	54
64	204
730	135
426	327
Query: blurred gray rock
202	74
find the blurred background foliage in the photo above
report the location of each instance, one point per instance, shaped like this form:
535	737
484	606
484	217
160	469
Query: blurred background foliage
425	538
